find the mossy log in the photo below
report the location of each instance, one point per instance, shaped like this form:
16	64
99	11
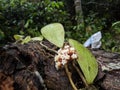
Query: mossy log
31	67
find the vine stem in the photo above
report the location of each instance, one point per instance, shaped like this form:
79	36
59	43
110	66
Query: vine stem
69	77
48	48
80	74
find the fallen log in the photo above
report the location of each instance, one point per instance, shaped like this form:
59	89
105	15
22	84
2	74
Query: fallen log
109	64
31	67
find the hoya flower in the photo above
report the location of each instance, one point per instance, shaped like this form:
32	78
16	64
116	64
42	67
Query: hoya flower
65	55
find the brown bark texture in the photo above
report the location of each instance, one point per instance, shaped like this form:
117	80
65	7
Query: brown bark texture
31	67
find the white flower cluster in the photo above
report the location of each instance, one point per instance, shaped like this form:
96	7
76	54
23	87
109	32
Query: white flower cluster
65	55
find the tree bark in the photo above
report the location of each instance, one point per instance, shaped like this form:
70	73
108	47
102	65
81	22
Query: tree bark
78	7
79	12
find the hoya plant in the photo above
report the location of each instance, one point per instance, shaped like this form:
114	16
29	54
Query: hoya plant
70	52
87	62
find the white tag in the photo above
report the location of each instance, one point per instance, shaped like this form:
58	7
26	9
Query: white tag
94	40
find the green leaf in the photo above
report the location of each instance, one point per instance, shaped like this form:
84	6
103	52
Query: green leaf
1	16
86	61
18	37
54	33
116	23
26	40
29	21
2	35
40	38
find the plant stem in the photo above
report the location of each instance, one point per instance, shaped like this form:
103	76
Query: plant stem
69	77
80	74
48	48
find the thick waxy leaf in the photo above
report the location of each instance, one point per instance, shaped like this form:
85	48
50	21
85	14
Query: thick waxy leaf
86	61
54	33
18	37
40	38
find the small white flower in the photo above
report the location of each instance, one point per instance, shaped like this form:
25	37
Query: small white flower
66	46
64	62
58	65
67	56
59	51
64	55
72	49
66	50
74	56
56	58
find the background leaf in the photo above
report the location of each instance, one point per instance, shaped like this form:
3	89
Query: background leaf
1	34
116	23
40	38
86	61
26	40
18	37
54	33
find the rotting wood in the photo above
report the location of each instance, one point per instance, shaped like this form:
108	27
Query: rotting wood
19	64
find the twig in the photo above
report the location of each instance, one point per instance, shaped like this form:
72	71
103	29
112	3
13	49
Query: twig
80	74
48	48
69	77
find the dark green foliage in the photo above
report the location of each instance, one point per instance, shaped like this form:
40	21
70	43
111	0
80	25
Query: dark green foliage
100	15
28	17
112	40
